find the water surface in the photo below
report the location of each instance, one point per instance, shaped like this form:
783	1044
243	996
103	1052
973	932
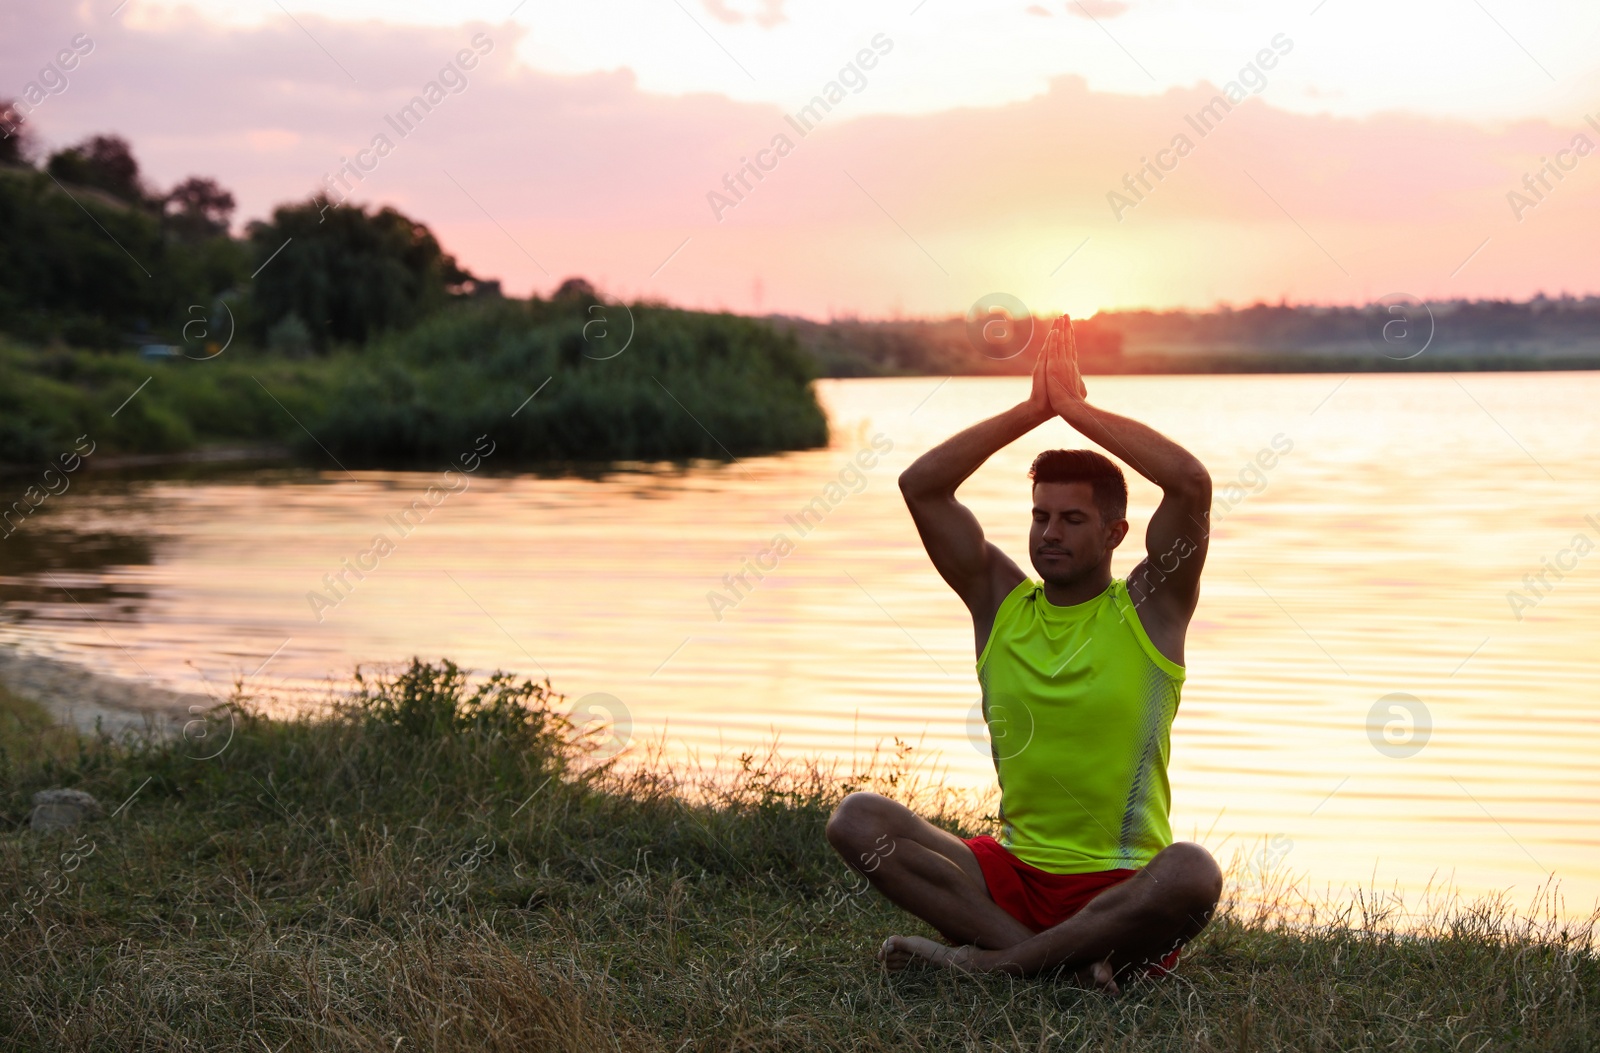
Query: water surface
1373	563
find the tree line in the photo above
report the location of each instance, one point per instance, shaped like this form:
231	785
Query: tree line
93	255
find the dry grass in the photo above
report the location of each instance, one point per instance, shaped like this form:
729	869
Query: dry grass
437	865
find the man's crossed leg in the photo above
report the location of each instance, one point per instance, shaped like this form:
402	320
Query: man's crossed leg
933	874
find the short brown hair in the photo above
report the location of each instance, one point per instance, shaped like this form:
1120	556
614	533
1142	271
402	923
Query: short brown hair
1086	466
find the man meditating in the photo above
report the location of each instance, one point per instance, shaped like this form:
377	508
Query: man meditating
1080	675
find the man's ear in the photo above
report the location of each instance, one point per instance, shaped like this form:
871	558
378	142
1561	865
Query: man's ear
1118	531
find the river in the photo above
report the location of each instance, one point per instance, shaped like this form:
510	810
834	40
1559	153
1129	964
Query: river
1381	691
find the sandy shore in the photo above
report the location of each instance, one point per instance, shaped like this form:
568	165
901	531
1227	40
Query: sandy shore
75	695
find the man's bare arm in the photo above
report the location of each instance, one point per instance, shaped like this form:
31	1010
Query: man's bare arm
976	570
1166	584
1185	485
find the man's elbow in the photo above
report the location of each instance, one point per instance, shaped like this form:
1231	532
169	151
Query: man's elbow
915	484
1195	484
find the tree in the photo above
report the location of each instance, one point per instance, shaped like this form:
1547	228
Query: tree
575	290
16	138
346	273
94	270
198	208
102	161
87	269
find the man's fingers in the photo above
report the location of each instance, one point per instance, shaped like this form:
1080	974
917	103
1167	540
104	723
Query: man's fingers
1073	369
1041	366
1050	343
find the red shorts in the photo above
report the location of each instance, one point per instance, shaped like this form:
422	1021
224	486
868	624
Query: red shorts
1040	899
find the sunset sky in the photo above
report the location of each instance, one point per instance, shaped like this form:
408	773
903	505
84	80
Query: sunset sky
976	155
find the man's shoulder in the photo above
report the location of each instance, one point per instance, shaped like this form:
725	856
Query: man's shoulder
992	622
1021	592
1159	639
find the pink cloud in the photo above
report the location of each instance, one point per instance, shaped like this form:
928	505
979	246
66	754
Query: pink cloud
770	14
1096	8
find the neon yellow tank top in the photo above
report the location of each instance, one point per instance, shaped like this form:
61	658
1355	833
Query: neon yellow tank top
1079	705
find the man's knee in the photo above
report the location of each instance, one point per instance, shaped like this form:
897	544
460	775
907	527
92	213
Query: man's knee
1190	879
858	822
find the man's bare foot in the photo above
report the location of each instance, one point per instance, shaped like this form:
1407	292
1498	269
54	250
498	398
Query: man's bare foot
898	952
1098	977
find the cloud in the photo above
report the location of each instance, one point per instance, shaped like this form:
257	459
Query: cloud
1096	8
771	13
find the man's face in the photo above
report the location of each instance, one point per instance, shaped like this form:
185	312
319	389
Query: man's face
1069	540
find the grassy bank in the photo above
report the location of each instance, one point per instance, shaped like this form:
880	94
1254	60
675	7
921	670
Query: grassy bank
441	865
689	385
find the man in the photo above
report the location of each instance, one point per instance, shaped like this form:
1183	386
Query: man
1080	675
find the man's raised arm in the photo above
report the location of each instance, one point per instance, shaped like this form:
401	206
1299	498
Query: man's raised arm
978	571
1166	583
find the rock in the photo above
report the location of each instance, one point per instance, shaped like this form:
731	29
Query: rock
60	809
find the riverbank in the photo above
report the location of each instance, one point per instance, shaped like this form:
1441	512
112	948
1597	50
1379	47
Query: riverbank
69	694
438	864
543	381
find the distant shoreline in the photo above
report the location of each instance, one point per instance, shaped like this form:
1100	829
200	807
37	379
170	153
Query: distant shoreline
1265	341
1188	363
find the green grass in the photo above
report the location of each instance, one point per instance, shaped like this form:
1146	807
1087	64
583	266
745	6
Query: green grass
28	737
689	385
440	864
